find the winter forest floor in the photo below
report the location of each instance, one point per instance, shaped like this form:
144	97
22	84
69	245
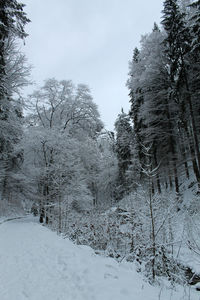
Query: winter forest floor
37	264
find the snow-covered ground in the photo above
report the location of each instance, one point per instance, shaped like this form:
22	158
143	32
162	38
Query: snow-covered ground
37	264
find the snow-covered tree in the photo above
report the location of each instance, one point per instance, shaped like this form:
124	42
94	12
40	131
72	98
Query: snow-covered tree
107	178
65	123
151	111
195	26
124	142
16	77
13	74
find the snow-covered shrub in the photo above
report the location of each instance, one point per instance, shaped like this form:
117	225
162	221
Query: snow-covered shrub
124	233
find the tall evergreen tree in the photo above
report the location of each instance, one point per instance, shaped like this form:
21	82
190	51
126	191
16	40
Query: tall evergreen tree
177	45
195	28
13	20
136	100
124	138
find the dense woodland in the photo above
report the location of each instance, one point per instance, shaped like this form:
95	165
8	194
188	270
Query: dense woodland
128	194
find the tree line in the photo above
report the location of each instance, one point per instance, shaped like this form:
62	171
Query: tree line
62	142
58	155
164	88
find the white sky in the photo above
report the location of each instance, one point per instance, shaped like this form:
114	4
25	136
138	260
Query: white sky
91	42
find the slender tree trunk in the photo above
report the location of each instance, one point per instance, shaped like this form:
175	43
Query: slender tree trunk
186	170
4	186
183	151
157	175
42	204
194	129
152	231
47	205
170	182
41	212
193	158
166	184
152	188
171	146
191	110
176	178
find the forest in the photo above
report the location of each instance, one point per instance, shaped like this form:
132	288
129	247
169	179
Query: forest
132	194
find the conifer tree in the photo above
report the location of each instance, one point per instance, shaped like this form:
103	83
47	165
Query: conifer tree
136	100
152	114
177	47
13	20
195	28
124	137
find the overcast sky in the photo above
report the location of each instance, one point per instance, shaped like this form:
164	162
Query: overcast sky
91	42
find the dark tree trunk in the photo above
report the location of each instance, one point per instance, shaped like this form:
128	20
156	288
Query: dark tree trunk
176	178
170	182
193	158
157	174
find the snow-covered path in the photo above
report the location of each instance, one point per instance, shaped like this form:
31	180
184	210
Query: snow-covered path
37	264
